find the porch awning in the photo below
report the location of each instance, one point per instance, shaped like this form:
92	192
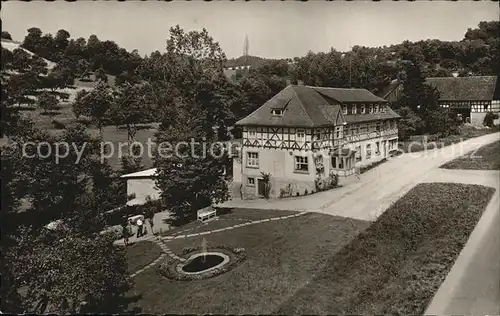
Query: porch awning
345	152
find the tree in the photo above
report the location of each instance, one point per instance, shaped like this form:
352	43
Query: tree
6	35
191	75
130	107
48	102
409	123
441	121
489	119
95	104
59	77
416	94
79	105
100	75
73	267
61	41
32	41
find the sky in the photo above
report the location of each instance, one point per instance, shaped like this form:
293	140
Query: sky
274	29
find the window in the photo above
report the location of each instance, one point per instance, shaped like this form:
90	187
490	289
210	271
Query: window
341	163
363	109
354	109
363	128
370	109
368	151
252	160
344	109
485	106
317	134
277	112
301	164
358	153
334	162
251	182
375	110
354	130
377	127
301	134
377	150
251	132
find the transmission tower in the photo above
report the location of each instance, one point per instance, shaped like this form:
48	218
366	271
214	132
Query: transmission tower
245	50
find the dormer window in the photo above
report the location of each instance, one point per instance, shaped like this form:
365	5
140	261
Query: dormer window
354	109
277	112
363	109
370	109
344	109
376	108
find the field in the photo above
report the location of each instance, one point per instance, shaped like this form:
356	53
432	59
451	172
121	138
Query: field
485	158
321	264
64	115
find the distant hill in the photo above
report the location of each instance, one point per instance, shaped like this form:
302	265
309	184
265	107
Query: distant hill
251	61
12	45
79	83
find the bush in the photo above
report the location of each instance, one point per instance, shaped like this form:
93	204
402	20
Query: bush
305	192
489	118
286	191
58	125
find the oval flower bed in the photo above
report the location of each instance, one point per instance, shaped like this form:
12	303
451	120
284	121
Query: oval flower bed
169	266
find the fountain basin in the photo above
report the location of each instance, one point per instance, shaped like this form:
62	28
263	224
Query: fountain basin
203	262
218	260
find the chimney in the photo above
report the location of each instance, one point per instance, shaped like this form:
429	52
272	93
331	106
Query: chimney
300	82
455	74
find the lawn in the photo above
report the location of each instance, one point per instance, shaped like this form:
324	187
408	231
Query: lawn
321	264
485	158
282	257
141	254
226	218
398	263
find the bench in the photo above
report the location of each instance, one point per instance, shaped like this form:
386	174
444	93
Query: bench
206	213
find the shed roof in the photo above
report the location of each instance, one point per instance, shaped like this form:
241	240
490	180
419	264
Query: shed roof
149	173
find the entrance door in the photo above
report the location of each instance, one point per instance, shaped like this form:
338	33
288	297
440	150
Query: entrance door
261	187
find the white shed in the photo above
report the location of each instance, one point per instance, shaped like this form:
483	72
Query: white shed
142	184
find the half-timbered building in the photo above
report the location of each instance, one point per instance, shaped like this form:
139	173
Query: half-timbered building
306	133
470	97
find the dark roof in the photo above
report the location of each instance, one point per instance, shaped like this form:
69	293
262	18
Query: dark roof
389	88
467	88
306	106
349	95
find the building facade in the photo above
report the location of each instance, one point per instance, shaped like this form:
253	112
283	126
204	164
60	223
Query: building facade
470	97
305	134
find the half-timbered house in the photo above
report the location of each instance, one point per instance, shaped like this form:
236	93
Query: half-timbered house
470	97
306	133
